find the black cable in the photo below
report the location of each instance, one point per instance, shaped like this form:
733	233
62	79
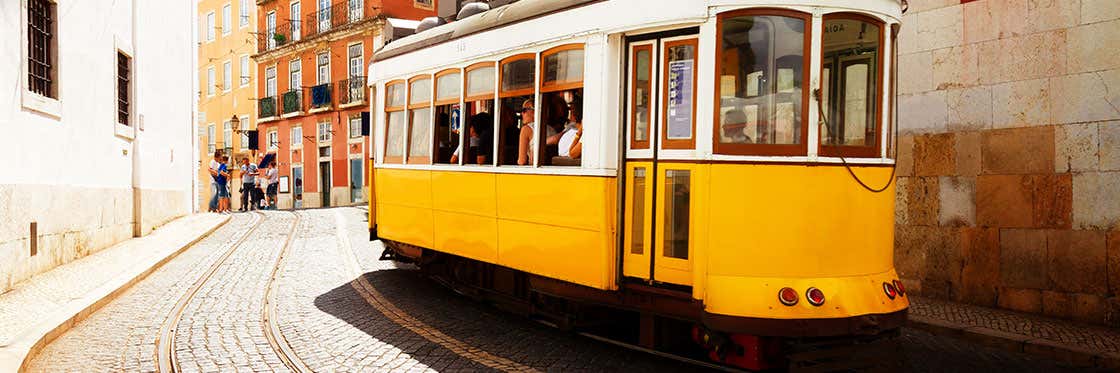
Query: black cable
894	167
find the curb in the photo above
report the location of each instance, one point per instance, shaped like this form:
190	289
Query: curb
15	356
1065	353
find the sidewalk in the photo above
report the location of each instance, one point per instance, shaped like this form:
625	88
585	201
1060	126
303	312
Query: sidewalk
43	307
1078	344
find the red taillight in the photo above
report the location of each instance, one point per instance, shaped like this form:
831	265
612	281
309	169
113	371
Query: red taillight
889	289
898	286
815	296
787	296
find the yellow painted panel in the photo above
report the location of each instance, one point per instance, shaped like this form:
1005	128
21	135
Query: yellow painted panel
566	201
798	221
567	254
466	235
404	187
844	296
637	264
670	269
465	192
405	224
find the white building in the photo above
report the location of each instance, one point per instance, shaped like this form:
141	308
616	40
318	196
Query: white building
85	164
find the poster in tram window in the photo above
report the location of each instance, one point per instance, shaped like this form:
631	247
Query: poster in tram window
680	100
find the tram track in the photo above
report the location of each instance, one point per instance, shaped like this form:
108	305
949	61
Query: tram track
166	358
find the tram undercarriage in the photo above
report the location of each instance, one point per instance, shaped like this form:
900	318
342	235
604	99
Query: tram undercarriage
668	321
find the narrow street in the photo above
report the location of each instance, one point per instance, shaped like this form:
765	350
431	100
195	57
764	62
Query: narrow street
282	291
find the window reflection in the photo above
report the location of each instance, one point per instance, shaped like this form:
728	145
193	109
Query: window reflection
849	83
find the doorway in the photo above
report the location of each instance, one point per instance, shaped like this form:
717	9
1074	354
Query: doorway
325	183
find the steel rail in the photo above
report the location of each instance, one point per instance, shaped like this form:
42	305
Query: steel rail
165	340
269	320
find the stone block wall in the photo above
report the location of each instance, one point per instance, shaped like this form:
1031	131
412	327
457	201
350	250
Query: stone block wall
1009	156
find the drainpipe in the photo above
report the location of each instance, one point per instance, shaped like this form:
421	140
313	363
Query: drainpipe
137	226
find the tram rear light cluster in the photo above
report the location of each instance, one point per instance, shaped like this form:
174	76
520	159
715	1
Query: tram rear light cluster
898	286
889	289
815	296
787	296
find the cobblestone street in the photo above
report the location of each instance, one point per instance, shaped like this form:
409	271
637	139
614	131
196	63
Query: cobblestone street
339	309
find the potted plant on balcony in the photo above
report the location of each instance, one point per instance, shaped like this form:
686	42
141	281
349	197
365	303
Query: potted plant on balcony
279	39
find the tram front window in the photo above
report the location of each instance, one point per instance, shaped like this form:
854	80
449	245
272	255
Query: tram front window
761	83
850	82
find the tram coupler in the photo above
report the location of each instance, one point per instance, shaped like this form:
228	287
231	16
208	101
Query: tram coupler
749	352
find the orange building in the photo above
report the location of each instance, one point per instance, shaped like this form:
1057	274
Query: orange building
311	60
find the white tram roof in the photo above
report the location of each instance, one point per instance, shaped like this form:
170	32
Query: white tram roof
527	23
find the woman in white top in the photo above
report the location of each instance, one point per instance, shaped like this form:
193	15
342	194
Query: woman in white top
570	143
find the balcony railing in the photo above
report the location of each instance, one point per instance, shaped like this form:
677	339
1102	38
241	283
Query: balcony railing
321	96
293	101
352	90
275	38
267	107
338	15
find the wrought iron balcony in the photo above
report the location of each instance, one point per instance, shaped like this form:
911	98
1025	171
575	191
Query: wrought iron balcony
275	38
321	96
352	90
293	101
338	15
267	107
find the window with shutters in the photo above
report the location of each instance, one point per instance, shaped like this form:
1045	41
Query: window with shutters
41	48
124	84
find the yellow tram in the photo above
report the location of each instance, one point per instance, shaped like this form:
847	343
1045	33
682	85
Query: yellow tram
731	189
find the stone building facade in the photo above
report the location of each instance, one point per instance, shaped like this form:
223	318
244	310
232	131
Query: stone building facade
1009	156
97	113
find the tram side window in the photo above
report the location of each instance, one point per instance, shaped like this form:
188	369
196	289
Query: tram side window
479	114
518	114
761	83
394	122
448	116
561	109
850	84
419	120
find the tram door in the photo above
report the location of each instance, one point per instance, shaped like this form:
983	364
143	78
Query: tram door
660	124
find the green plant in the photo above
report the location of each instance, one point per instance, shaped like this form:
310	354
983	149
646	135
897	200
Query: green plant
279	38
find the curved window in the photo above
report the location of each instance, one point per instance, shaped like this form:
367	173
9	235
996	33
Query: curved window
419	120
761	66
477	117
562	68
480	81
851	85
518	75
394	121
561	111
448	86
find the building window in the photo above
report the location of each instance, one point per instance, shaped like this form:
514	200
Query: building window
227	75
227	134
210	26
227	21
273	140
295	79
245	72
293	15
210	81
297	137
124	83
324	68
270	29
325	151
243	11
356	11
356	126
270	81
426	4
324	15
244	130
211	140
325	131
41	47
355	60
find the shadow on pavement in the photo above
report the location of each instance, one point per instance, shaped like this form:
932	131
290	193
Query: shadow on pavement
479	326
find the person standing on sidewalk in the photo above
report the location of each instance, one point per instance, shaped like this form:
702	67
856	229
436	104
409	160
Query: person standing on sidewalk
248	176
223	186
214	166
273	184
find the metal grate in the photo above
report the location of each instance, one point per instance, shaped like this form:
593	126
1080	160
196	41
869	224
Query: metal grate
123	70
40	39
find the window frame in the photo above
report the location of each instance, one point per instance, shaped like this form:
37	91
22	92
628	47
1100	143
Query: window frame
319	78
435	86
48	102
666	142
392	109
466	74
273	145
210	24
632	109
361	57
419	4
211	139
211	81
874	150
291	133
244	16
127	90
531	91
246	67
801	149
409	159
227	76
544	87
227	18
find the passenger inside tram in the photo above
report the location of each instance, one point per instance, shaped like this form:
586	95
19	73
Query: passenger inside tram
479	134
516	129
571	142
447	133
